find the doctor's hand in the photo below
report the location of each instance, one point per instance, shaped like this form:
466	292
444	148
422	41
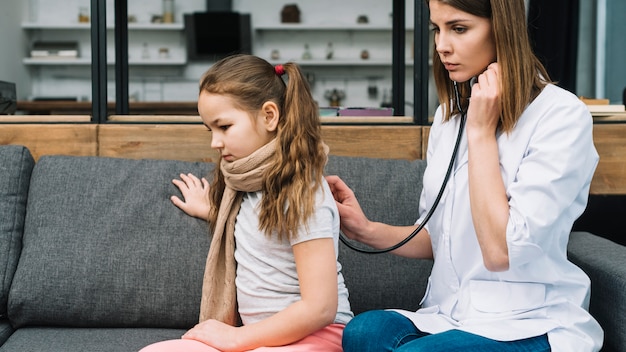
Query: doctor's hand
353	221
484	109
195	192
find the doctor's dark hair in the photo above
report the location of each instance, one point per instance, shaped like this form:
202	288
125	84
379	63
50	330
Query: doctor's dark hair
297	168
522	75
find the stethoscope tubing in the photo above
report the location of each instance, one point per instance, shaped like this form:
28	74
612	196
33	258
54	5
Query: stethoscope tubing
463	114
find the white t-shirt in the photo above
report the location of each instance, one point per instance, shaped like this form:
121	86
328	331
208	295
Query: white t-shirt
546	163
267	281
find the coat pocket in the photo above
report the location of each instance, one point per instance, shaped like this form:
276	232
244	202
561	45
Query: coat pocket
503	296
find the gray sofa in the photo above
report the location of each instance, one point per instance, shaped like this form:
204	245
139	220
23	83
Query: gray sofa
94	257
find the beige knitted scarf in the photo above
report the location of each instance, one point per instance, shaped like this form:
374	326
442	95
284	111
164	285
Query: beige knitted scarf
219	294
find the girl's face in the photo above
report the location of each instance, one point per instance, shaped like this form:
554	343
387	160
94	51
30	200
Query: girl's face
464	42
235	134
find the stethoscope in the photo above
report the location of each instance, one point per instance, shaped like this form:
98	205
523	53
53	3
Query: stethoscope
441	190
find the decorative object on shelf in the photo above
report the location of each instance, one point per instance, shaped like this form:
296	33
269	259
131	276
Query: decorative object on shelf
306	55
156	19
132	19
168	11
164	53
275	54
145	52
58	50
83	14
329	51
334	97
362	19
290	14
365	54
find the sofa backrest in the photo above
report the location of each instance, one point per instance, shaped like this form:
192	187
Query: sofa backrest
388	191
16	165
104	246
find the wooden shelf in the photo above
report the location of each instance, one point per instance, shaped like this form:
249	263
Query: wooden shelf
84	107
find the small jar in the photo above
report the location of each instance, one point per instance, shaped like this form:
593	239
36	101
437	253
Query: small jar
83	14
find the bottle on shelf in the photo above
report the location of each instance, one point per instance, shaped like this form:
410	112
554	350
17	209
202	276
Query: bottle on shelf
306	55
145	52
329	51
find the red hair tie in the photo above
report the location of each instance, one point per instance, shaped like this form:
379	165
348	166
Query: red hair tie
279	69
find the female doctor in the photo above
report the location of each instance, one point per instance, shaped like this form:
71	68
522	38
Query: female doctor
500	280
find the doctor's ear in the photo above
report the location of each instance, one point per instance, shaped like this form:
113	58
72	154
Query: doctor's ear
271	115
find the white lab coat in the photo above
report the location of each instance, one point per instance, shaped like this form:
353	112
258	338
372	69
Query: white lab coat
547	163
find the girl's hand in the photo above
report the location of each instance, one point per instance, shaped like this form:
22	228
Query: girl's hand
215	334
195	193
484	109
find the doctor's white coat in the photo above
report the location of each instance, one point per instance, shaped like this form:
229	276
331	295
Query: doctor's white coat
547	163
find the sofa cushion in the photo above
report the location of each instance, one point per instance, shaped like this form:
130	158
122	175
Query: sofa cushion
16	165
379	281
104	246
604	261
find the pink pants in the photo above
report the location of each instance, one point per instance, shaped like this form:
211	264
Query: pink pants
327	339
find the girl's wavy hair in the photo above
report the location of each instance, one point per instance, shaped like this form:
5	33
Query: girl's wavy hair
523	76
295	175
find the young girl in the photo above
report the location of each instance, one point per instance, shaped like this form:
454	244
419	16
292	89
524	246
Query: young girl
273	257
501	279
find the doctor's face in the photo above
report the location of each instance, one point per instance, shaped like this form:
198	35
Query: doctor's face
464	42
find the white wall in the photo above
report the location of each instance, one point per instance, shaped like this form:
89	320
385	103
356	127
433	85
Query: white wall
12	47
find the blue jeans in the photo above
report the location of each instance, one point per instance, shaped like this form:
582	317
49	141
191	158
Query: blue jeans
379	330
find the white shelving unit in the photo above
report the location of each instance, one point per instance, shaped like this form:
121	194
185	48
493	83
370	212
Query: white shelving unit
365	81
348	41
81	31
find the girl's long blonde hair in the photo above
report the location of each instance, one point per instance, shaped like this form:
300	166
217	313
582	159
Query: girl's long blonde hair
522	75
295	175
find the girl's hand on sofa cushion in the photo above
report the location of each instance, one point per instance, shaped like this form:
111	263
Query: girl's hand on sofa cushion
195	194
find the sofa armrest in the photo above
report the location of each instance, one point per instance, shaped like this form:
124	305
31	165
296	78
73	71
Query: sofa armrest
604	261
